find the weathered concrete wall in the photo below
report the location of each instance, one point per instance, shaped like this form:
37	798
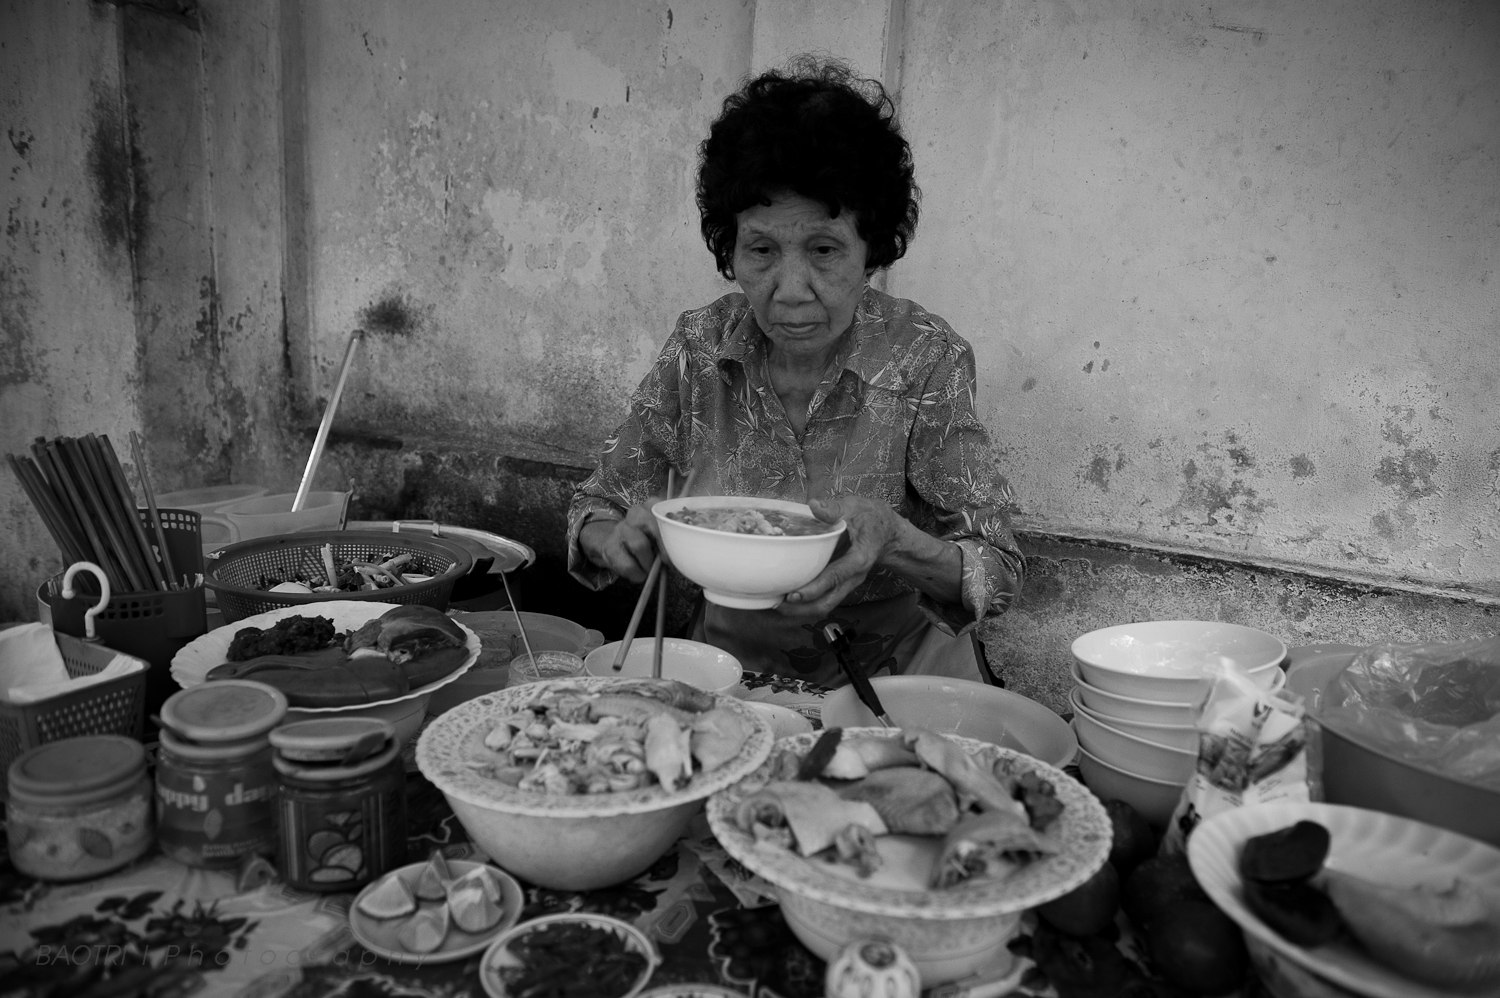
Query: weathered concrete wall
1230	269
67	336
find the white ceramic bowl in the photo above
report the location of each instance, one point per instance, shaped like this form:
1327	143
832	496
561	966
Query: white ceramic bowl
959	707
1113	705
745	571
1165	659
1177	736
1133	754
1154	799
691	662
784	721
948	933
498	954
568	842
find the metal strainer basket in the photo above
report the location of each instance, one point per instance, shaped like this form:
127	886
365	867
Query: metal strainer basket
236	573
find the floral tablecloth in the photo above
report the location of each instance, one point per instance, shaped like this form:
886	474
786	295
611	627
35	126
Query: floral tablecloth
158	929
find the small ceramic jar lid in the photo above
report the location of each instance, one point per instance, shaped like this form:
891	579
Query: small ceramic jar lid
332	739
225	710
76	771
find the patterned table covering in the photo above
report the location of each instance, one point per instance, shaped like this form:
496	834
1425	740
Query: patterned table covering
159	929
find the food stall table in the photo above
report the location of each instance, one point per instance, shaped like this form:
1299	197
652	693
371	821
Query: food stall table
166	930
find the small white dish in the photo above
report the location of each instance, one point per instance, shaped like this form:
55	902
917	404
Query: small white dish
1167	659
692	662
784	721
1373	844
498	955
378	935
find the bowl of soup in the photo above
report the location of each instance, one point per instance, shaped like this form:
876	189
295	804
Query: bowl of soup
745	552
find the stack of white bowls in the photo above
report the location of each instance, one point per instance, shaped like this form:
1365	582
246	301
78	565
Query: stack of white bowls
1137	692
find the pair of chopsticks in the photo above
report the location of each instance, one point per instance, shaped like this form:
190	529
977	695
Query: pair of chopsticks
656	579
78	487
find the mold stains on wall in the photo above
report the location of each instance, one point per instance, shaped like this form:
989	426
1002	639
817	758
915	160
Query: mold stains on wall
393	314
1410	473
121	203
1302	466
1102	465
17	364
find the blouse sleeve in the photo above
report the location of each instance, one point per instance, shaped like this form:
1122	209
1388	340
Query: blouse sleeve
634	459
951	468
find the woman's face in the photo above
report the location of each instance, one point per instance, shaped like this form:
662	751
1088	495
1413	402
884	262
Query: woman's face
803	272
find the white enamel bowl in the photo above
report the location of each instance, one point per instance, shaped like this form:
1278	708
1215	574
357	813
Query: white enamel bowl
1113	705
1166	659
744	571
1154	799
568	842
692	662
947	933
959	707
1177	736
1380	847
1132	754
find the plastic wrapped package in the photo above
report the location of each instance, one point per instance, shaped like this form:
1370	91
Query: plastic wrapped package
1435	705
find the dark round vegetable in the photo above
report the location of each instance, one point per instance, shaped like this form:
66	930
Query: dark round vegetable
1300	912
1289	854
1198	948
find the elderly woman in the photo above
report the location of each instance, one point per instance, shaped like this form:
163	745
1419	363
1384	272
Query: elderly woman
810	385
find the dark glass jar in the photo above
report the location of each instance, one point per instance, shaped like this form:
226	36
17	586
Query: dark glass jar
215	785
342	802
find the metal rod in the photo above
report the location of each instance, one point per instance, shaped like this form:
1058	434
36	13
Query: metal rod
321	440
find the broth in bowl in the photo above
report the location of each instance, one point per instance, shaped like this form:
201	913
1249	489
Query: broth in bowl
752	520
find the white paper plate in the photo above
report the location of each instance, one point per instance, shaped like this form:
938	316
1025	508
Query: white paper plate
191	664
1374	845
378	935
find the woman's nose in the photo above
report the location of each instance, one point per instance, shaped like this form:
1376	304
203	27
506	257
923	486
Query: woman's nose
794	280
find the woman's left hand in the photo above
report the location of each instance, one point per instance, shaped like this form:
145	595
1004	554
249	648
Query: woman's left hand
874	530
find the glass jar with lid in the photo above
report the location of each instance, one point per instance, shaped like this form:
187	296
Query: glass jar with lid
78	807
215	785
342	802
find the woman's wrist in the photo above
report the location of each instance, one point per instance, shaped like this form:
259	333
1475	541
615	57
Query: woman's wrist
933	565
591	536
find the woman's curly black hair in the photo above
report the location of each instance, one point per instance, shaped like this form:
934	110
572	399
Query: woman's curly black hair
816	130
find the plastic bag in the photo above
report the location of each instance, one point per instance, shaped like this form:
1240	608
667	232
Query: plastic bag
1436	705
1252	749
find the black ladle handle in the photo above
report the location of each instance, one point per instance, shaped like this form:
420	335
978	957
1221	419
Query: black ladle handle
862	688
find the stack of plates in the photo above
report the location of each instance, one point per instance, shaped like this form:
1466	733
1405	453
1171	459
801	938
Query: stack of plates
1136	694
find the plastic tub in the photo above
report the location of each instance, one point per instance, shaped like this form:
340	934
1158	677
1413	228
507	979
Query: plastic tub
266	516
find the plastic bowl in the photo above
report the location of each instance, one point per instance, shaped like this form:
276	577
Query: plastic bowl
498	953
744	571
1360	773
691	662
1178	736
1134	755
959	707
569	842
1112	705
1165	659
1154	799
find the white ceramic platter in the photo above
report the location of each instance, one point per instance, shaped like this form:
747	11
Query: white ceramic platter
1372	844
191	664
378	935
1083	834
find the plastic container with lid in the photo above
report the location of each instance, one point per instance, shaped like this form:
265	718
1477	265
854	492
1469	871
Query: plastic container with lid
215	785
342	803
78	807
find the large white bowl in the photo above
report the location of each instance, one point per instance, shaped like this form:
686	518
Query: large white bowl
692	662
959	707
569	842
1132	754
948	933
1177	736
1381	847
744	571
1166	659
1113	705
193	662
1154	799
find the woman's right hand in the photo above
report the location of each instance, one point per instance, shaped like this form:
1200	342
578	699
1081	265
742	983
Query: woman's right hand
626	547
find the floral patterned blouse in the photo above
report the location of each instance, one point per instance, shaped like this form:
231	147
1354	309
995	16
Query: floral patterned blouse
895	422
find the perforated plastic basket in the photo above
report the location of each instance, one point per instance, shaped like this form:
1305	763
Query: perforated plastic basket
235	572
114	707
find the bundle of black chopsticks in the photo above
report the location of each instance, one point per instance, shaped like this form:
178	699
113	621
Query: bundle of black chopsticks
78	487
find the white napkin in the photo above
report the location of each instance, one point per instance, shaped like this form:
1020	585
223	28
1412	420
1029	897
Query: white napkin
32	669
